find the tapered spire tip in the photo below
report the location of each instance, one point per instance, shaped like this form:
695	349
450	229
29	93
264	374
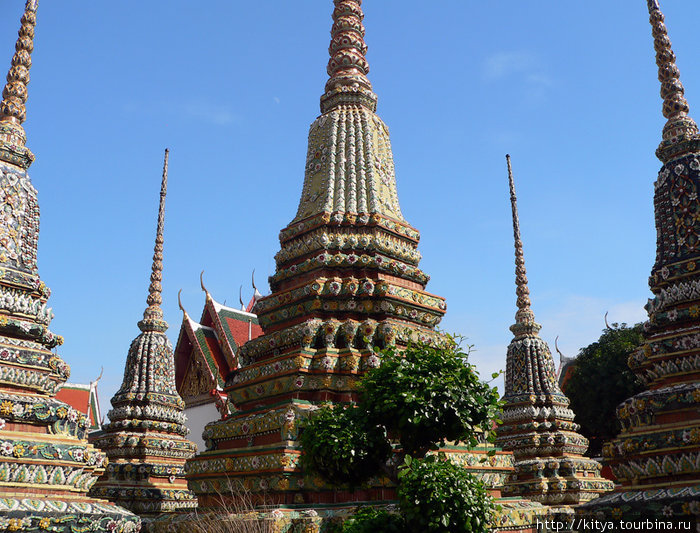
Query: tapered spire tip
153	315
524	317
347	67
13	111
679	126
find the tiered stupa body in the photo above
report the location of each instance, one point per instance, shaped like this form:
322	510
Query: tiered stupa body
656	457
538	426
145	438
347	281
46	464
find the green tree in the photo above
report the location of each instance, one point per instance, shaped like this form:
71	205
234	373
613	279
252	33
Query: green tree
426	395
421	397
600	381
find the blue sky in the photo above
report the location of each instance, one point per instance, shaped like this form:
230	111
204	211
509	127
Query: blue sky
569	89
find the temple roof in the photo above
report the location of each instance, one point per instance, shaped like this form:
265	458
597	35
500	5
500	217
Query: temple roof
83	398
214	340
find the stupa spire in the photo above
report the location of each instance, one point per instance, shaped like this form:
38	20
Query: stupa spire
524	317
347	67
153	315
538	426
148	478
679	125
13	110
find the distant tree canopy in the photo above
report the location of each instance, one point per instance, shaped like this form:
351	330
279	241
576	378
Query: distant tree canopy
601	380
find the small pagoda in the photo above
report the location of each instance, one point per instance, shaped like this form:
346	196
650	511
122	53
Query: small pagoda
145	438
347	281
46	463
656	457
538	426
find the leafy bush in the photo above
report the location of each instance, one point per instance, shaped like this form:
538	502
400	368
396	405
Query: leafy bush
437	496
600	381
371	520
343	446
426	395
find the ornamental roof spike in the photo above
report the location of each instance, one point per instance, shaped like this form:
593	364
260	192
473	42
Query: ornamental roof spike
524	317
14	95
347	67
153	315
256	293
179	304
201	284
675	106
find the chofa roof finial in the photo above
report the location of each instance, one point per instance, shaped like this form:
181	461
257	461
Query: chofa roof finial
201	282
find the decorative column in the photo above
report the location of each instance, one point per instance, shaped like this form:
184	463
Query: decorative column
46	464
145	439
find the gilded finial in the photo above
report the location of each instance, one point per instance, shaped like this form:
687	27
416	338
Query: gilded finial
524	315
154	313
347	67
605	318
240	297
13	111
252	280
675	107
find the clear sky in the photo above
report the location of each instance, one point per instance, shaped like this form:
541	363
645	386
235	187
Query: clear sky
569	89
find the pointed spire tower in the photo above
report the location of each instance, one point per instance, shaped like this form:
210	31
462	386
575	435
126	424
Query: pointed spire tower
656	457
538	426
347	281
46	464
145	439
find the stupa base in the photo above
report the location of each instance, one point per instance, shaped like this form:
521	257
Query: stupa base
670	504
514	515
65	516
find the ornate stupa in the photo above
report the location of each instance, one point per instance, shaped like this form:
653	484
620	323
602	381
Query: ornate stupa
145	438
538	426
46	464
656	457
347	281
